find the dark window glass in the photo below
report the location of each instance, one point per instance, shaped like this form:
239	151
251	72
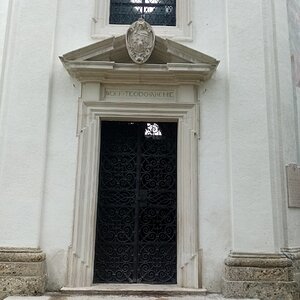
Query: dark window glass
155	12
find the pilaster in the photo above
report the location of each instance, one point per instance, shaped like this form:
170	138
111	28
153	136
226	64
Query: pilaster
23	121
262	141
249	156
26	89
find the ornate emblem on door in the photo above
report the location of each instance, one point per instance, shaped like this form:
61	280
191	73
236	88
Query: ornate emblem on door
140	40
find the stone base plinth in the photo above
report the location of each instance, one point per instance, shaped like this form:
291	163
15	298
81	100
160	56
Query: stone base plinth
263	276
22	271
294	255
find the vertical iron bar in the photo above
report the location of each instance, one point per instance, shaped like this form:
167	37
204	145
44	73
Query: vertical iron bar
137	198
143	9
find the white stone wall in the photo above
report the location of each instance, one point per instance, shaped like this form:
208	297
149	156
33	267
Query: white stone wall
247	128
24	119
293	8
72	31
214	204
4	13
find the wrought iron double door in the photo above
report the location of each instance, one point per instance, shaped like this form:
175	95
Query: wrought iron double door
136	215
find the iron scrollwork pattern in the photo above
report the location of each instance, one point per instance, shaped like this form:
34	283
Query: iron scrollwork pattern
136	216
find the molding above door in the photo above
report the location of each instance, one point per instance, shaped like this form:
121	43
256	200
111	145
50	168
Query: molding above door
108	62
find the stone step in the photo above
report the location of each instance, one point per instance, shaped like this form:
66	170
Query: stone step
59	296
127	292
134	290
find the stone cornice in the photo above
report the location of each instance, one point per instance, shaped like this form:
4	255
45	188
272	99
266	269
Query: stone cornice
108	62
21	255
257	260
111	72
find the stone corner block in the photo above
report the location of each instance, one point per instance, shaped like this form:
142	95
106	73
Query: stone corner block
22	271
262	276
294	255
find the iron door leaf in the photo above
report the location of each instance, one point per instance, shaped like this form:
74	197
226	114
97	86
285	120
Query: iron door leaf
136	215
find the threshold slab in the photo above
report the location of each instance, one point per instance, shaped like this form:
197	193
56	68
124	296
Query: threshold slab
134	290
58	296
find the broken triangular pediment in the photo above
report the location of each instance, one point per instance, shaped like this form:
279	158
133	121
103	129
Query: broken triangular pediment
114	49
108	61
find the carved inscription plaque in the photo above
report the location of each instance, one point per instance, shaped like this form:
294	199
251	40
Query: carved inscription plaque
136	94
293	185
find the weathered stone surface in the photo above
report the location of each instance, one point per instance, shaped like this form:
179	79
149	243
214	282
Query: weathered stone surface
21	254
261	290
259	260
294	255
23	285
258	274
22	271
263	276
84	297
2	295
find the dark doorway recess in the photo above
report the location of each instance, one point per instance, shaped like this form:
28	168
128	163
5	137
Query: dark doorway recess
136	216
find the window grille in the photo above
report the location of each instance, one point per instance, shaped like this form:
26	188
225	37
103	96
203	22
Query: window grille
155	12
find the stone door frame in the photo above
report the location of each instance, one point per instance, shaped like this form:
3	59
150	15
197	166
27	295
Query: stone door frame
93	109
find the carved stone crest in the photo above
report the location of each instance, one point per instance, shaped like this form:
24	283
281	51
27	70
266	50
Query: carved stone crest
140	40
